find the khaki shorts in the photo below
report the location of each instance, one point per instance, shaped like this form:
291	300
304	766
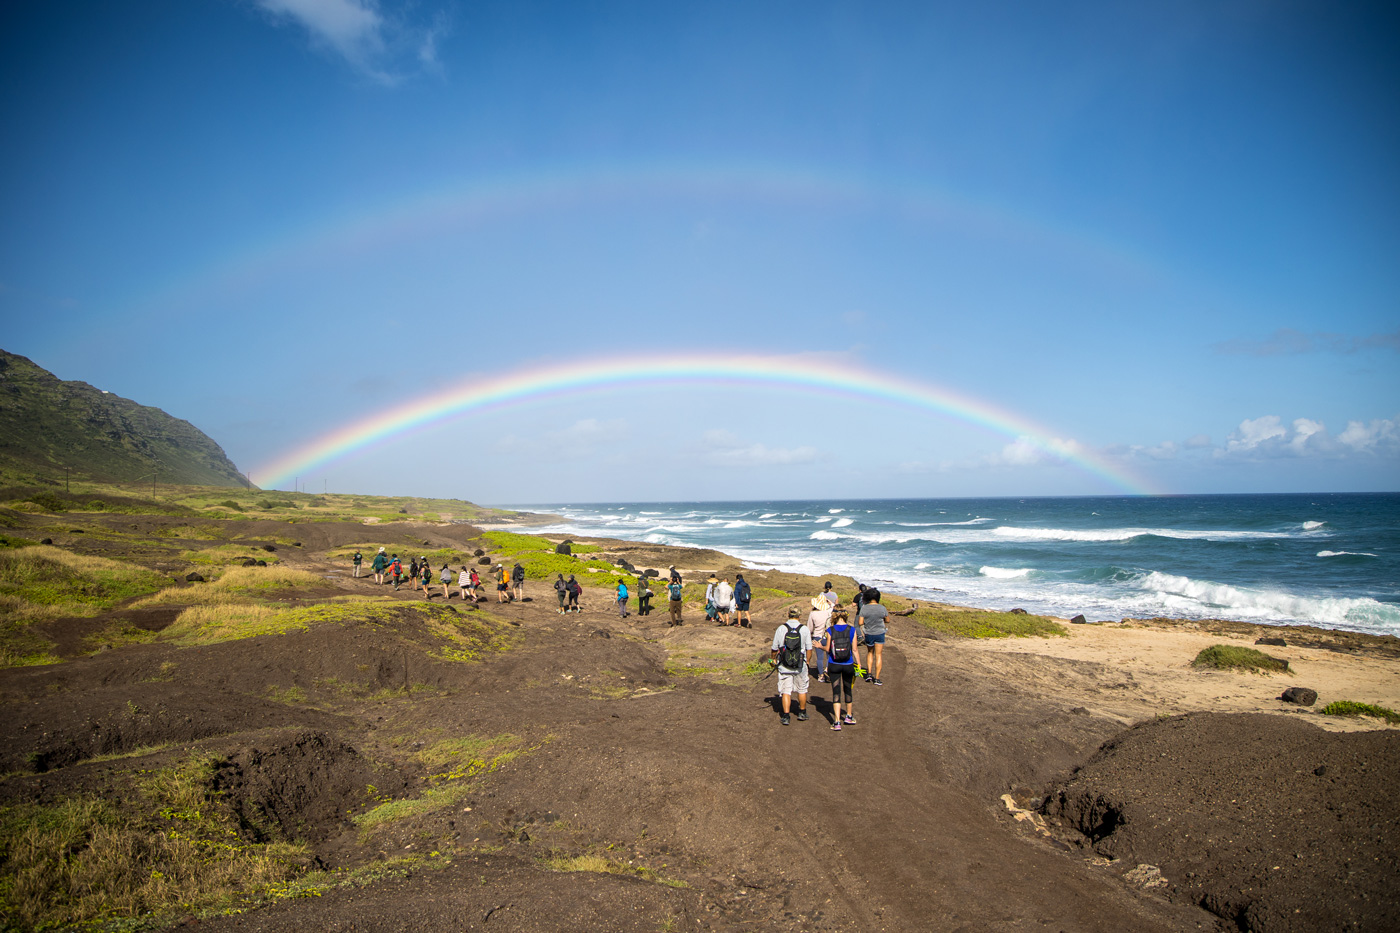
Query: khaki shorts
793	683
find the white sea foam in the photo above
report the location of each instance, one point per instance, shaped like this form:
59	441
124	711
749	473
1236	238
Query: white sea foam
842	522
739	524
768	515
922	566
1126	534
1344	554
825	518
1312	526
835	511
1268	605
827	536
1003	573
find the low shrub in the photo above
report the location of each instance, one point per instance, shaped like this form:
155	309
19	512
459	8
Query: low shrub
982	623
1237	657
1352	708
48	502
230	504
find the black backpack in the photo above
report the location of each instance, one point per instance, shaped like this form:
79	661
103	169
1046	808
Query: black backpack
842	638
742	591
791	655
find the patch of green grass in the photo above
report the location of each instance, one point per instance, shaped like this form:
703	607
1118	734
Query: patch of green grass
982	623
451	785
224	555
50	578
287	696
173	846
1352	708
1237	657
119	634
511	544
602	864
7	541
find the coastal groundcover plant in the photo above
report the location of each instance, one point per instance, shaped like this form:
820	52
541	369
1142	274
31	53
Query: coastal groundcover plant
39	583
1238	657
982	623
1352	708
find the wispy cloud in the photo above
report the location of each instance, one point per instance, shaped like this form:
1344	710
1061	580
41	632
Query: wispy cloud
1287	342
381	47
724	449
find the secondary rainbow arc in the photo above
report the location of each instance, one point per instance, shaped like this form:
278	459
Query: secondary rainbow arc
482	394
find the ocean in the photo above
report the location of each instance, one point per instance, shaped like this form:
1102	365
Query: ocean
1330	560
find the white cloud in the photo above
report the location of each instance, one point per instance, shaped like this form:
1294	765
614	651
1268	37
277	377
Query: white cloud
1256	431
357	30
1365	438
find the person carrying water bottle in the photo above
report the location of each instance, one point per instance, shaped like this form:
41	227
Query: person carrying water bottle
839	645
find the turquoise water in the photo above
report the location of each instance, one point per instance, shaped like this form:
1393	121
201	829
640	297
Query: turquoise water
1328	559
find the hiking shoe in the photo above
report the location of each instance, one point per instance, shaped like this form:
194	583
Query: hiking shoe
786	719
802	715
849	720
877	681
836	726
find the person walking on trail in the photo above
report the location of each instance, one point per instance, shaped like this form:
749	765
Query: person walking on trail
724	600
475	586
396	570
622	599
464	583
711	609
446	578
517	580
426	579
792	653
742	594
643	596
872	624
830	595
502	584
357	560
413	572
817	621
575	591
561	589
380	562
675	574
839	644
674	592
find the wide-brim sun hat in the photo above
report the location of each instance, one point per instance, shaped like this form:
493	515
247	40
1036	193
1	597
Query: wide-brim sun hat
819	602
713	579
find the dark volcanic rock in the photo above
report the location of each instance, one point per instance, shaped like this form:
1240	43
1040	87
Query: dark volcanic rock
193	577
1079	620
1303	696
563	548
1019	612
1269	640
1267	821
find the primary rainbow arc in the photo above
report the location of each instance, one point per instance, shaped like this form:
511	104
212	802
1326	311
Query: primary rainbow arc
532	384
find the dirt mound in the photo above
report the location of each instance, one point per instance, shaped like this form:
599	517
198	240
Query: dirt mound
296	785
1272	824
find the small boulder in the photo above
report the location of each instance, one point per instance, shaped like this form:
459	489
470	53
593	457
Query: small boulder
563	548
1302	696
269	548
249	562
478	553
653	573
1271	640
1079	620
262	563
193	577
626	565
484	561
47	541
1019	612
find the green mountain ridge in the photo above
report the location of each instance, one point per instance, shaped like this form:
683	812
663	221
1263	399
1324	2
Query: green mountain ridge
49	426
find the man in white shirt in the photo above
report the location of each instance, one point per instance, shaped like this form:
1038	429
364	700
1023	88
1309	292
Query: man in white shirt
792	652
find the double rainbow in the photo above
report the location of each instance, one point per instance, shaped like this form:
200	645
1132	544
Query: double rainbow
488	393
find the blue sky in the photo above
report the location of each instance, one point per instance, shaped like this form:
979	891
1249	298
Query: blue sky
1166	233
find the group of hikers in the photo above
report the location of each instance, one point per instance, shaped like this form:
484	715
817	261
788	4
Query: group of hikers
388	568
828	642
